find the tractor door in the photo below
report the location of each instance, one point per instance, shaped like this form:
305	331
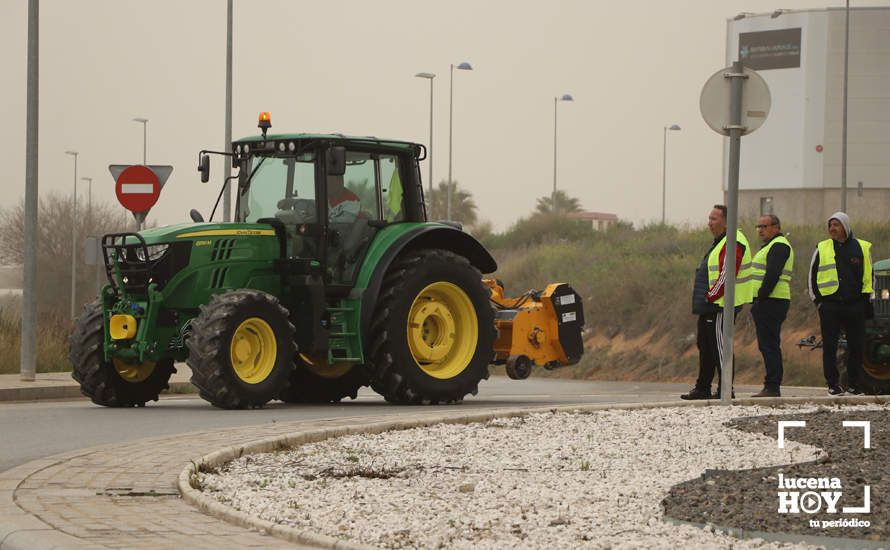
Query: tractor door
366	197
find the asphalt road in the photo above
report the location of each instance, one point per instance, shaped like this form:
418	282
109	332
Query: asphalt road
32	430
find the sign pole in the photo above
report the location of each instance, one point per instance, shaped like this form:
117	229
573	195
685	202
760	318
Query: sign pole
737	78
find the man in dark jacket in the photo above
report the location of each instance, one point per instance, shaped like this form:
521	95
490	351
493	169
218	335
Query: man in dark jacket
707	302
771	270
840	283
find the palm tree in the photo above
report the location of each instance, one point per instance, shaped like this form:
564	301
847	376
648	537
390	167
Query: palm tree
463	207
564	204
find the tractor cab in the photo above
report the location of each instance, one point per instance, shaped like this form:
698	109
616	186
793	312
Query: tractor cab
327	196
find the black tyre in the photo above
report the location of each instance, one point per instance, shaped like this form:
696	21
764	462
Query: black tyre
112	383
433	330
241	349
875	362
315	382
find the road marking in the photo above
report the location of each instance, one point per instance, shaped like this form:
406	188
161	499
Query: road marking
137	188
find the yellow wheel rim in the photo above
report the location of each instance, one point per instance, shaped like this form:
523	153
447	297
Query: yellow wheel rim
133	373
443	330
253	350
320	367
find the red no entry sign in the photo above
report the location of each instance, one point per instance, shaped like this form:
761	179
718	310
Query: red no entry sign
137	188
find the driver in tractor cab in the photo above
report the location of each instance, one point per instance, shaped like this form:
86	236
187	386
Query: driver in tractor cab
344	206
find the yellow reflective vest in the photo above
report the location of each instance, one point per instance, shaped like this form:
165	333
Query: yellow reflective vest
826	273
743	294
758	271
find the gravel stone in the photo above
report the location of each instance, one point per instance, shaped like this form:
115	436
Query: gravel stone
544	480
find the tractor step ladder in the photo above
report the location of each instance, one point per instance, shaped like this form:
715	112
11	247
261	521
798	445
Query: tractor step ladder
343	335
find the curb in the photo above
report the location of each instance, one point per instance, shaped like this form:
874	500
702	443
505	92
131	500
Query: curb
197	498
841	543
71	391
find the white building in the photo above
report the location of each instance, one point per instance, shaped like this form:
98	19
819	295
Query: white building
791	166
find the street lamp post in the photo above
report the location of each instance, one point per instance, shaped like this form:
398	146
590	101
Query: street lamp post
844	124
73	237
89	223
429	152
89	201
565	97
227	140
672	127
463	67
144	122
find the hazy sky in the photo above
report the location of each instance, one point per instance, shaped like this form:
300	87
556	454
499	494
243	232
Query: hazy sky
348	67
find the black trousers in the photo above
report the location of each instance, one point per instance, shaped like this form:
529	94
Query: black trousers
709	338
768	315
834	316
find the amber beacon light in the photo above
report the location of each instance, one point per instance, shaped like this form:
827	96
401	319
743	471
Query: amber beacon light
265	122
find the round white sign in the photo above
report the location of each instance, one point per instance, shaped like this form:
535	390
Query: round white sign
715	99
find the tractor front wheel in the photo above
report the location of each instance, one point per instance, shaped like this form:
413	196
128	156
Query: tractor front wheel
241	349
433	330
112	383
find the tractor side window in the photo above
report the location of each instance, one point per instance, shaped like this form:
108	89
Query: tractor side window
391	189
359	185
352	203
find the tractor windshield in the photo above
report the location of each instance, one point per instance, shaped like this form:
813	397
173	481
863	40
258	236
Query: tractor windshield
280	187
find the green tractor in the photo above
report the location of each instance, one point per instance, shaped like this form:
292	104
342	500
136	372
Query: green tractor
329	279
876	355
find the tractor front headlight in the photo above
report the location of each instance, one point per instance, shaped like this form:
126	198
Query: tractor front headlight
885	294
155	251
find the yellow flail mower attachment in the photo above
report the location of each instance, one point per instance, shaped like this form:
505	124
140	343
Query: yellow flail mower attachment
537	328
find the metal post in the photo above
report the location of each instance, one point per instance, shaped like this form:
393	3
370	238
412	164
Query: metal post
664	157
450	143
144	122
464	66
737	77
430	77
73	237
844	137
430	146
227	197
89	223
553	193
28	366
672	127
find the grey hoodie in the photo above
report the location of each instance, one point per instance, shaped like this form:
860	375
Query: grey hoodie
845	221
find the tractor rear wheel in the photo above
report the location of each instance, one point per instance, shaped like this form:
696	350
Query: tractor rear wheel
241	349
112	383
433	330
313	381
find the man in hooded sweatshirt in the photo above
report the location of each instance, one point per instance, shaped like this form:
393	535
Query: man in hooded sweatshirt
840	283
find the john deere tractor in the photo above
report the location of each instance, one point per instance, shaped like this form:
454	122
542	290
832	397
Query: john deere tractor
876	355
330	278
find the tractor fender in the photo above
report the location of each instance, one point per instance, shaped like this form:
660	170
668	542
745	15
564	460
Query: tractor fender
424	237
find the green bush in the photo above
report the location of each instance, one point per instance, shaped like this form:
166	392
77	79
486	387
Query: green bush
53	329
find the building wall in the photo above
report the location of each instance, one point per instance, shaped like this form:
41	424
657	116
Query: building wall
868	92
813	206
807	112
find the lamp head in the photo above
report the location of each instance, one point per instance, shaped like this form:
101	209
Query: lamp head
465	66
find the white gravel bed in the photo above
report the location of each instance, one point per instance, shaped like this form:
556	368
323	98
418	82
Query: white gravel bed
546	480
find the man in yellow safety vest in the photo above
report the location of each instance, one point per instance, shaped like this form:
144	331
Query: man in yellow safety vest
771	270
707	300
840	283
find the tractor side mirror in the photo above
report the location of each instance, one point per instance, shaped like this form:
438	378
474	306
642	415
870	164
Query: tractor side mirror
336	161
196	216
204	168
